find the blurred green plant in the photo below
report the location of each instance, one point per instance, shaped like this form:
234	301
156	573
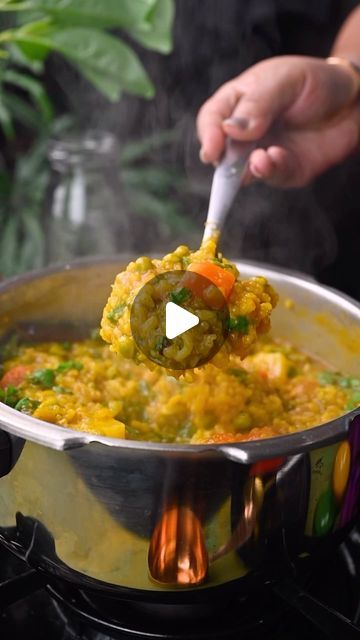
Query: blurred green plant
153	188
22	195
82	32
152	191
78	30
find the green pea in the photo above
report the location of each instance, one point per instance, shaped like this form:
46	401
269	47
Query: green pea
242	422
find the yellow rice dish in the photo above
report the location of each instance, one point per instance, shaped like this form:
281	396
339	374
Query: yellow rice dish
275	390
249	302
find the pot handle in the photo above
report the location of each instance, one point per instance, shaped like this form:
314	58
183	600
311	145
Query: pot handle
10	449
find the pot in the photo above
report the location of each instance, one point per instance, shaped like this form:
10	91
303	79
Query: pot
134	517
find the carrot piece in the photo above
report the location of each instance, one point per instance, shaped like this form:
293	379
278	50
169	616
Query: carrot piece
14	377
223	279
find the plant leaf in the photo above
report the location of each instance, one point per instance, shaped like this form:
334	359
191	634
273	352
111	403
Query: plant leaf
159	35
8	246
19	58
6	119
22	111
29	40
103	59
102	14
32	249
34	88
170	216
138	149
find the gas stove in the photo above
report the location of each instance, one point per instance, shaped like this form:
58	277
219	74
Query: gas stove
323	602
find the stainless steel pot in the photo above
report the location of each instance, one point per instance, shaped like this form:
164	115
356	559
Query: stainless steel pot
115	514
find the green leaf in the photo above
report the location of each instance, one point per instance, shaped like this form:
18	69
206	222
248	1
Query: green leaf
9	246
69	364
10	349
159	36
43	377
6	122
33	246
104	60
168	215
138	149
9	396
116	313
156	179
22	111
241	374
26	405
19	58
179	296
34	88
28	38
102	14
240	324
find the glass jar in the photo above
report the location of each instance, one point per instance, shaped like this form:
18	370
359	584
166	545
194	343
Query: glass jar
84	214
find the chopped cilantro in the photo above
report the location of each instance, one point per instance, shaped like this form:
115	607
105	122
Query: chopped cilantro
333	377
10	349
222	264
180	295
43	377
241	374
9	396
185	261
354	401
218	262
60	389
239	324
161	343
69	364
327	377
25	405
116	313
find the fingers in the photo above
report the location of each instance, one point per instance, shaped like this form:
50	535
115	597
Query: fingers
246	107
209	122
305	154
274	165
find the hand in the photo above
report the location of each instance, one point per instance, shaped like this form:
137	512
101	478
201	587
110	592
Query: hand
303	109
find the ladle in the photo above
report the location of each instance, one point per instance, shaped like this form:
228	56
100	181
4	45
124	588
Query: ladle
227	180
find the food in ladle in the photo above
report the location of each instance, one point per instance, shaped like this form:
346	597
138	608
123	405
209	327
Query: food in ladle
250	303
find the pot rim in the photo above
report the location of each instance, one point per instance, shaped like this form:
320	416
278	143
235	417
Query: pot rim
62	438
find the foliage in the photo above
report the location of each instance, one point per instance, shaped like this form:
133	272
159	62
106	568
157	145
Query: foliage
77	30
150	186
152	189
22	194
86	34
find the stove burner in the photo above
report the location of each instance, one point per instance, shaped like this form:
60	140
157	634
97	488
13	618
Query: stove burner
281	610
175	622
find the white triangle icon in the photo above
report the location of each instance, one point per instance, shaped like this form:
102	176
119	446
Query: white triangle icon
178	320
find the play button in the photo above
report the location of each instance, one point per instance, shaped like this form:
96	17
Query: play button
179	320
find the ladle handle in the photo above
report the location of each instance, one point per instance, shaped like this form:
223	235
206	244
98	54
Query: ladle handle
227	180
